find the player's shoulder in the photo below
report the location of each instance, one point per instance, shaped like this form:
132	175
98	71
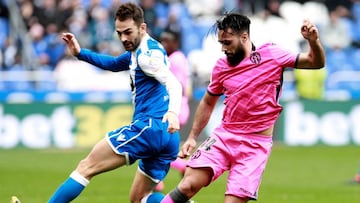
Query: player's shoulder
265	46
150	43
151	48
272	49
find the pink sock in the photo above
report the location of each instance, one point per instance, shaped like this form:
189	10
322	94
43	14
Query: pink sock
167	199
160	186
179	164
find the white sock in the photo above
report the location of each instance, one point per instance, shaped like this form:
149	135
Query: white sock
79	178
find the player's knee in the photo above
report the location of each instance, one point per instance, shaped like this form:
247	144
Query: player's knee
194	180
85	169
189	187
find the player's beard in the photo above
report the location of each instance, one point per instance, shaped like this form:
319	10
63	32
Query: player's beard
235	58
134	44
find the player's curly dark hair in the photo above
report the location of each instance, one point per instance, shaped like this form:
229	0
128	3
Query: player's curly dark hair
237	22
130	11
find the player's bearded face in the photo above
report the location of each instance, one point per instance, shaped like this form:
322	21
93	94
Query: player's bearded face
236	56
134	43
232	47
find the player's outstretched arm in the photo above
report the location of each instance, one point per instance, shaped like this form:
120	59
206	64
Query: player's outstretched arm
105	62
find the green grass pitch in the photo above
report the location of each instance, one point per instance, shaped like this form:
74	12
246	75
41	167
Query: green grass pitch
293	175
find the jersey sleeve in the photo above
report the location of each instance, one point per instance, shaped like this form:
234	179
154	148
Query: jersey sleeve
154	63
284	58
106	62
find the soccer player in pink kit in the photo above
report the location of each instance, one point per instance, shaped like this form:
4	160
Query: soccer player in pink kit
250	79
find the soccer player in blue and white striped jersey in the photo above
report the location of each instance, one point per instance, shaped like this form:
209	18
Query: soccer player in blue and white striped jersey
152	137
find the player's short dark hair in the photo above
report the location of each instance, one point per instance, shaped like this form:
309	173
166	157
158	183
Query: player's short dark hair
235	21
130	11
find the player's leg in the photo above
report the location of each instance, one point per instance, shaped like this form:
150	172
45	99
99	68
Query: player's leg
248	164
141	189
179	165
101	159
154	169
206	164
194	179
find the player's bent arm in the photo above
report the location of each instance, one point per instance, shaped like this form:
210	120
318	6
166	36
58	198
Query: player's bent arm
314	59
106	62
203	113
154	66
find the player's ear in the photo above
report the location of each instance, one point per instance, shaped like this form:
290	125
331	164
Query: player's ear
244	36
143	27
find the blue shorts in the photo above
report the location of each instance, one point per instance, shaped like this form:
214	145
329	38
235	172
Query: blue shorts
148	140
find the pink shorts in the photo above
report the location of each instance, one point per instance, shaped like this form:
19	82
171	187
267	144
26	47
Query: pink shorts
244	156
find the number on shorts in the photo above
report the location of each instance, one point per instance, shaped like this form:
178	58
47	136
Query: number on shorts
208	143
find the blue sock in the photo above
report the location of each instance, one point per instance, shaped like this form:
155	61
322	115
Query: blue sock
155	197
70	189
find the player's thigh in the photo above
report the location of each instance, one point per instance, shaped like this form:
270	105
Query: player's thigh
100	159
141	186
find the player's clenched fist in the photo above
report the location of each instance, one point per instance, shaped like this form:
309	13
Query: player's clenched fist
72	43
309	31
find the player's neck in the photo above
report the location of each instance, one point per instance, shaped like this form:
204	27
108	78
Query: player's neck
249	47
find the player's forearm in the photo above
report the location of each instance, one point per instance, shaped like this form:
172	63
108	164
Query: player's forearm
317	54
202	116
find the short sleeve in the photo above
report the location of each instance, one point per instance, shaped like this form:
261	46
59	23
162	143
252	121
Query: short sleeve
154	64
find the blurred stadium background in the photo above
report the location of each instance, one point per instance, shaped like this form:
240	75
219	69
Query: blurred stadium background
54	107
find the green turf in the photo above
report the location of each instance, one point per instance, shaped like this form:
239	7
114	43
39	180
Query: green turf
293	175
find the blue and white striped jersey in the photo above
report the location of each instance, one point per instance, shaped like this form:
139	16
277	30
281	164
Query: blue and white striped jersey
155	90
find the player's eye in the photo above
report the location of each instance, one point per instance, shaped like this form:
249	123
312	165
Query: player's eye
127	33
226	43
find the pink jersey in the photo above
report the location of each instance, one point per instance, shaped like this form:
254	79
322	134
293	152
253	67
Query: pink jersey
252	88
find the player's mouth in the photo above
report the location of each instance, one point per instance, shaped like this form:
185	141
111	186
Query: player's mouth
128	45
229	55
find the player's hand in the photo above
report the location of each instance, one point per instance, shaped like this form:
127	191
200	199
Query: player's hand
173	121
186	149
72	43
309	31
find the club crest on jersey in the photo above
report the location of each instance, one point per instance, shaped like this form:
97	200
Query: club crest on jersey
255	57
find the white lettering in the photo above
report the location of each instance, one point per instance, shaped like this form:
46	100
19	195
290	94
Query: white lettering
35	131
300	127
334	129
355	124
9	130
63	122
